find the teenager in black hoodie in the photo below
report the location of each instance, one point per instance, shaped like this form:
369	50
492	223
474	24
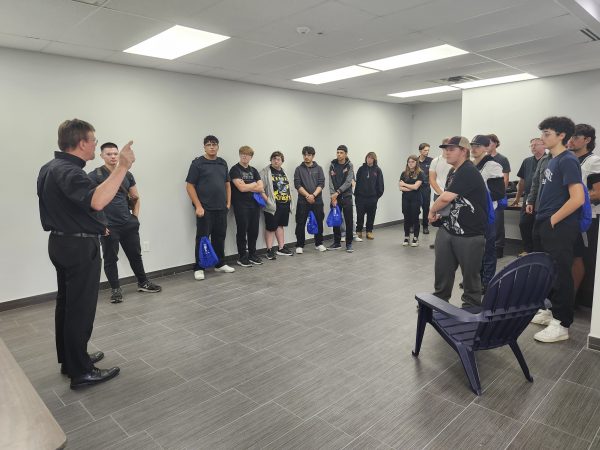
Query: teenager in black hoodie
368	189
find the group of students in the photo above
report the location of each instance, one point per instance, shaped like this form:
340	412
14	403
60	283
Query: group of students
214	189
553	185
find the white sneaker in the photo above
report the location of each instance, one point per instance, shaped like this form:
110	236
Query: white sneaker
554	332
357	239
299	250
542	317
225	268
199	275
321	248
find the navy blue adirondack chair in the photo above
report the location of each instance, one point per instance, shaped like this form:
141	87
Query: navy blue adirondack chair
513	297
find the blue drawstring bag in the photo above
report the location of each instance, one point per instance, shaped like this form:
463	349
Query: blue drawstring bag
334	218
491	214
585	213
206	253
502	203
311	224
259	199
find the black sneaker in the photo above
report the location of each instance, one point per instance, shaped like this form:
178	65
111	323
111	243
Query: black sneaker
283	251
425	230
255	259
149	286
271	254
244	262
116	295
334	246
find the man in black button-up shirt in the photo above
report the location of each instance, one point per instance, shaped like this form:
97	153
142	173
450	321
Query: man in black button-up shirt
69	208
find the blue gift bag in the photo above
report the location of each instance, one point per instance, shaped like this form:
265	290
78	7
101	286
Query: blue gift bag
206	253
311	224
258	198
334	218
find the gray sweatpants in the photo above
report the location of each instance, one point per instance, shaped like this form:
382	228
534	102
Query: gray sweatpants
452	251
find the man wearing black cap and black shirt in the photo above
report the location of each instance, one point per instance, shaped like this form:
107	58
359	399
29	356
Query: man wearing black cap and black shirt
462	210
341	174
69	202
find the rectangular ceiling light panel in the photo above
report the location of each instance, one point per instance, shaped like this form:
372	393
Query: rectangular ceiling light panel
419	92
175	42
412	58
492	81
336	75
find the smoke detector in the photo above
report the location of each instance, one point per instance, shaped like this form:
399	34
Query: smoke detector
303	30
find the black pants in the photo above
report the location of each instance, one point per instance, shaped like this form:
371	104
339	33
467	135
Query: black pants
411	207
128	235
214	225
347	208
366	206
425	192
500	234
77	264
526	222
586	291
246	220
558	242
302	211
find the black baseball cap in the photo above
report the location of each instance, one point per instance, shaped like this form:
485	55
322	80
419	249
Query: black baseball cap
482	140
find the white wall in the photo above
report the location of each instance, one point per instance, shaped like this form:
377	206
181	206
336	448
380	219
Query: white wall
167	115
513	111
432	122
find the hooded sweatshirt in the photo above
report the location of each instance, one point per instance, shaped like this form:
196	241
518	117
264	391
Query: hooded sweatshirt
369	182
341	177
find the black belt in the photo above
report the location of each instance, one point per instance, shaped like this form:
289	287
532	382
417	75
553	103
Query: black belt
79	235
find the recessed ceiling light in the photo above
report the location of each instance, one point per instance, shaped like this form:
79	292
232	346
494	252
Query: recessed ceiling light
497	80
175	42
418	92
412	58
335	75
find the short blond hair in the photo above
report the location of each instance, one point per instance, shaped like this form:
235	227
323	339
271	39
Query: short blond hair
246	150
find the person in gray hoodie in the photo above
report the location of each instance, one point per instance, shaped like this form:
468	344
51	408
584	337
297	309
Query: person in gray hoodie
309	181
341	174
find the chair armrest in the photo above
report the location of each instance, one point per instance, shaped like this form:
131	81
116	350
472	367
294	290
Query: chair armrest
449	310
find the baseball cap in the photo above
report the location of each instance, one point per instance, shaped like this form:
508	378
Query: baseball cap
459	141
482	140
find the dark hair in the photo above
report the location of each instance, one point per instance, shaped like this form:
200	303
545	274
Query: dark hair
559	125
211	138
407	171
343	148
308	150
423	145
72	132
372	155
108	145
276	154
494	139
585	130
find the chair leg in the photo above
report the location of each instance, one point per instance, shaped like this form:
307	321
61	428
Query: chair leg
467	357
517	351
424	314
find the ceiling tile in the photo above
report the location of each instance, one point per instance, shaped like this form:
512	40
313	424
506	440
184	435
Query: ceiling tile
384	7
44	19
227	52
77	51
538	45
168	11
183	67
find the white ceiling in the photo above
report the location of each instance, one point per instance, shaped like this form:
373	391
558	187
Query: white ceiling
505	37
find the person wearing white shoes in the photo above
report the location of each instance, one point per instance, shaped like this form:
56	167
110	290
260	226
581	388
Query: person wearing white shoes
207	185
309	181
561	196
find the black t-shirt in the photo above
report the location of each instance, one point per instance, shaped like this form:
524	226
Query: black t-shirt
526	172
65	197
209	177
117	212
562	171
424	165
503	161
468	211
410	180
247	175
281	186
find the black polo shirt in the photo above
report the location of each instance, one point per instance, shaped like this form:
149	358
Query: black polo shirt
65	196
117	211
209	177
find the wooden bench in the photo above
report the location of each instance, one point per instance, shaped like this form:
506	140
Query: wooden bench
25	421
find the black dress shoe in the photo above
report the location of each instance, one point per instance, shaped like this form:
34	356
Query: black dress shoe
96	376
94	357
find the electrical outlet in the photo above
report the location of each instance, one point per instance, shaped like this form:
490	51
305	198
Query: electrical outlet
146	246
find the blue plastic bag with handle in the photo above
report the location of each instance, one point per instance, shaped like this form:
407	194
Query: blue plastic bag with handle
258	198
311	224
334	218
206	253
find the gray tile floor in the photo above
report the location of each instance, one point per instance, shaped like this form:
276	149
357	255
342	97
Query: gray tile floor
310	351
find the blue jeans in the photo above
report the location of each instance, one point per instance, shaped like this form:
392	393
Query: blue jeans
488	263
